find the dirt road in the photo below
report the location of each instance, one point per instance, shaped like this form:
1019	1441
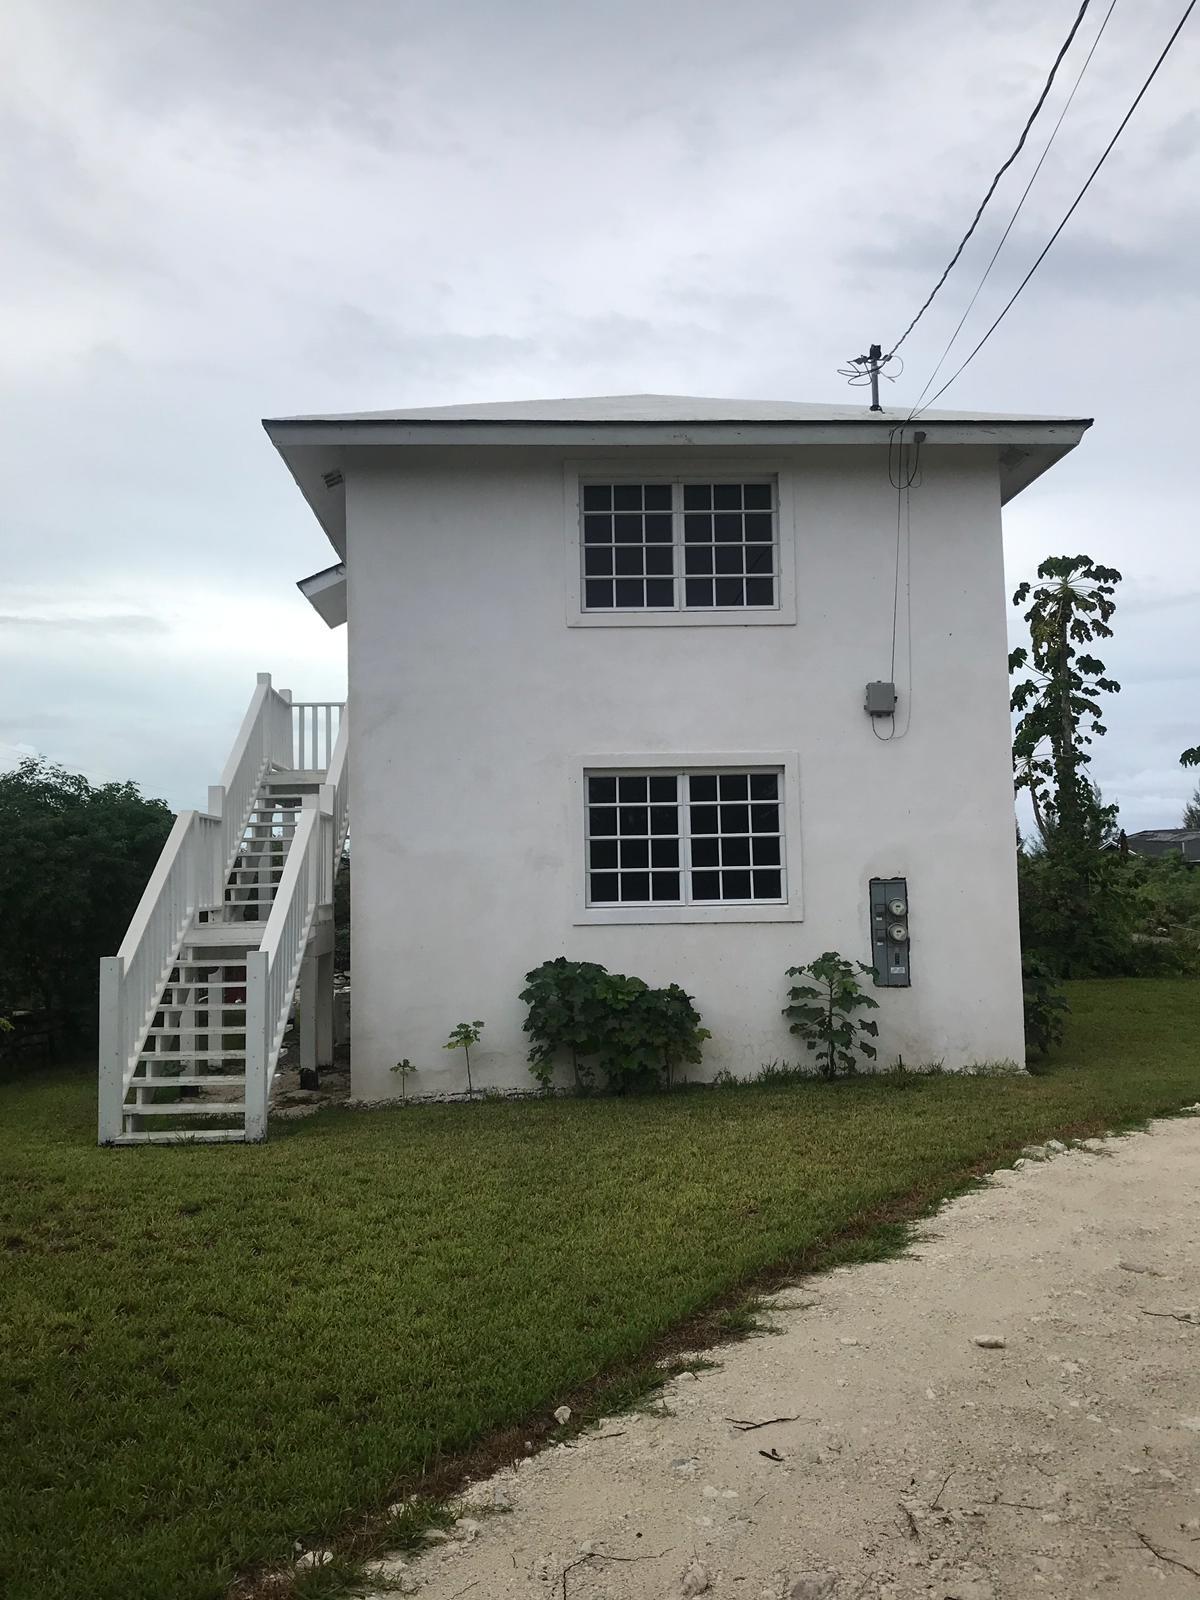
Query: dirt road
920	1463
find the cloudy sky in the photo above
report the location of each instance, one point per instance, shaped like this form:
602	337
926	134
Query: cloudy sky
218	210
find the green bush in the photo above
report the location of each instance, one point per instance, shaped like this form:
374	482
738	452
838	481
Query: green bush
1046	1006
822	1012
634	1035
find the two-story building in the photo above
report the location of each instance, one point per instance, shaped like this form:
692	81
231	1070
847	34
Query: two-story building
608	668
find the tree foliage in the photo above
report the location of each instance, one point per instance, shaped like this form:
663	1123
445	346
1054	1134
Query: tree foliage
1057	704
75	860
1191	811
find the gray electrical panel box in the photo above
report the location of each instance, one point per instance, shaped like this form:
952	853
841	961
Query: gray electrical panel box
880	700
890	946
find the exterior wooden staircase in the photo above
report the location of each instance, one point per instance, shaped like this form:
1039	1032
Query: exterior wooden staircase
194	1006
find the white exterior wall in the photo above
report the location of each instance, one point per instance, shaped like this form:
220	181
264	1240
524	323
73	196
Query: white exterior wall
471	695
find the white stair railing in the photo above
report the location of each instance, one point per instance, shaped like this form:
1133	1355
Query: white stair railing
273	969
264	741
315	727
336	780
187	879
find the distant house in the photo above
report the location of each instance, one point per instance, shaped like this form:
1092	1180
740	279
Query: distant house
697	689
1156	842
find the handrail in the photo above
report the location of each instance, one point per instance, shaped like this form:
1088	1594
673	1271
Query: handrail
316	725
337	779
273	969
264	740
186	879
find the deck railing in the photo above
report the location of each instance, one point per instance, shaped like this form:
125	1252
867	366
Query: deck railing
188	878
337	780
315	726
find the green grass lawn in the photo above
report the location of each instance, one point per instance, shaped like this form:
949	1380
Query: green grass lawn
207	1353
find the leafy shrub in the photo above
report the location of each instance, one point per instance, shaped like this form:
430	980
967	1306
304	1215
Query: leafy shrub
1045	1006
633	1034
823	1013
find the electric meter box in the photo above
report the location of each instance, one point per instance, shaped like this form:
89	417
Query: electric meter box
890	945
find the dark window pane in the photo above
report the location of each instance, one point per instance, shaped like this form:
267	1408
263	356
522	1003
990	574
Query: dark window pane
735	819
734	785
598	561
766	851
635	852
660	592
658	496
735	852
666	885
768	886
699	592
735	885
664	853
729	592
727	526
704	819
597	593
727	496
764	785
603	857
698	559
757	496
760	591
706	852
632	791
697	496
635	886
760	528
629	592
597	496
597	530
629	558
659	530
664	819
664	789
627	529
627	496
603	887
706	885
729	557
765	818
703	786
660	559
634	819
602	821
697	530
602	791
760	558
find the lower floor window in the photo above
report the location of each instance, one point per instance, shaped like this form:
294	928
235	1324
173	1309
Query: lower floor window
710	837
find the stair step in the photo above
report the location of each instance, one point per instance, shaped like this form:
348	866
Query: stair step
183	1135
188	1080
190	1055
188	1108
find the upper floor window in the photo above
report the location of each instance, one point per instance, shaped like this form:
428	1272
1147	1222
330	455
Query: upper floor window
679	545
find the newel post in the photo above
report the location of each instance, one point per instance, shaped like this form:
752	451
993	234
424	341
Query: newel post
256	1044
111	1108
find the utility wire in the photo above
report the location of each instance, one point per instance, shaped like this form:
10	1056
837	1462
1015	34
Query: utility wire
1017	212
1020	145
1179	26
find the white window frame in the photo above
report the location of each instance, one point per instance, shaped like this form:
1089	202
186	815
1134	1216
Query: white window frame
786	763
704	469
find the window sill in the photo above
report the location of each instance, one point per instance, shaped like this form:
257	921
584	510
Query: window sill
650	916
681	619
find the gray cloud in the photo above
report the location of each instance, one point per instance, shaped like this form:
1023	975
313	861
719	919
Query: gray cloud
222	212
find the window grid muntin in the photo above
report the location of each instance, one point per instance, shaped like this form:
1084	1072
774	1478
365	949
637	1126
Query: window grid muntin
751	549
755	833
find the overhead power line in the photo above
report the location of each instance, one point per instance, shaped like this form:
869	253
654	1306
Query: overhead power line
1017	148
1087	61
1107	151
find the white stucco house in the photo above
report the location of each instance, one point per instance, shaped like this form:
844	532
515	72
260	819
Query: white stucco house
620	681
